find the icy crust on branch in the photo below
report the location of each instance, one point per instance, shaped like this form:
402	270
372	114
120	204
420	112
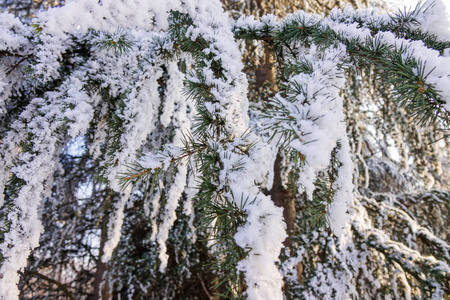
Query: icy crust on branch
174	112
139	117
264	231
434	19
344	187
214	26
264	234
107	15
366	258
389	211
266	26
182	127
32	144
264	221
173	196
14	45
310	115
13	34
318	113
408	260
374	31
427	16
433	67
245	160
129	80
37	128
139	113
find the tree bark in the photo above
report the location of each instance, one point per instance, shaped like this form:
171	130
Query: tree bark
283	198
101	286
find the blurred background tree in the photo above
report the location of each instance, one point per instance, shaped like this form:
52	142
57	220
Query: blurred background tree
26	9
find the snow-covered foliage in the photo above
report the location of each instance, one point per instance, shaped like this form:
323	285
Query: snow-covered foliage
181	159
315	126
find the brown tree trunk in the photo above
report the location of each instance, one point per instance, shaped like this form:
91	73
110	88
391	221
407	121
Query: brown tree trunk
101	286
283	198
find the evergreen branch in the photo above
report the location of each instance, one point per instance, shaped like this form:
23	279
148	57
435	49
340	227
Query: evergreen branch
118	41
12	54
139	174
413	91
402	219
403	24
24	58
414	265
224	147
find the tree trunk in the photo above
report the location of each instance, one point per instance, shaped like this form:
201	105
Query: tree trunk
283	198
101	286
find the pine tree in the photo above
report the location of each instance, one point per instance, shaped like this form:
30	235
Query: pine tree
131	134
